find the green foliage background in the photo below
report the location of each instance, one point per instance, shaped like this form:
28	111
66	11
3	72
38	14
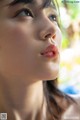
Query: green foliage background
70	52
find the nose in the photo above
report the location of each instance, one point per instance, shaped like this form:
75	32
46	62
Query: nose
48	29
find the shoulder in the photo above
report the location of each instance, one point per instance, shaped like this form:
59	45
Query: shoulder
73	111
76	98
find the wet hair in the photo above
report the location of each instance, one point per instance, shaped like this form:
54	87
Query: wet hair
56	100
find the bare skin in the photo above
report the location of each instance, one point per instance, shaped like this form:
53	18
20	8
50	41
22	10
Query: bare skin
21	100
22	68
23	35
72	111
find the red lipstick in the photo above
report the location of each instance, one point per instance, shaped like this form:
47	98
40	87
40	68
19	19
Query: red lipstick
50	52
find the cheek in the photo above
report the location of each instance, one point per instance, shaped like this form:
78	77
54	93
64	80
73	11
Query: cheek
15	48
20	42
13	30
20	34
15	36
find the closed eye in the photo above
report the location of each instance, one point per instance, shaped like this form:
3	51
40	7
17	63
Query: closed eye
23	13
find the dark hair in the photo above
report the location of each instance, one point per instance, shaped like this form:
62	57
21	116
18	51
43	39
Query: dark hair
54	97
56	101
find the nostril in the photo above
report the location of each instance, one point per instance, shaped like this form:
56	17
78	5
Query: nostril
54	36
48	36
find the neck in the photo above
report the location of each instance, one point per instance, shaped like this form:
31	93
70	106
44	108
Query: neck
21	100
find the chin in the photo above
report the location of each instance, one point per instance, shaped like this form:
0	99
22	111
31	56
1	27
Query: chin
49	75
48	71
52	76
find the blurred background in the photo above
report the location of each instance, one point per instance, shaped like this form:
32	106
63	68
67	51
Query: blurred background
69	77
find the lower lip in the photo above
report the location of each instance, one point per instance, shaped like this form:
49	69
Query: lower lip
50	55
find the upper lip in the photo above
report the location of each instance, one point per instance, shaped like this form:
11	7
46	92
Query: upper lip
50	48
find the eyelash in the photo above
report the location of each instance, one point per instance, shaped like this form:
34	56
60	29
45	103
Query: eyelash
53	17
24	12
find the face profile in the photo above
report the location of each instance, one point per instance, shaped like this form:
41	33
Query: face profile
30	41
27	29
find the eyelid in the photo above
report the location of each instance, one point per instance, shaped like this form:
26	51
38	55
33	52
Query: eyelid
53	13
53	16
22	9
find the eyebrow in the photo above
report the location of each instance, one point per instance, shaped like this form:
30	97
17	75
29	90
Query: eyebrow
14	2
46	4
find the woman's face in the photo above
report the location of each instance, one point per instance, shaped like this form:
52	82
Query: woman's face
26	30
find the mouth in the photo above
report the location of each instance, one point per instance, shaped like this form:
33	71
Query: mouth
50	52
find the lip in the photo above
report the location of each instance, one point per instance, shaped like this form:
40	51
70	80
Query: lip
50	52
